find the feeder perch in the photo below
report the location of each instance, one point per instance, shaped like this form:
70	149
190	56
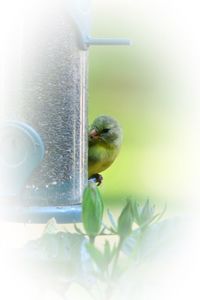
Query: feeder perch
43	111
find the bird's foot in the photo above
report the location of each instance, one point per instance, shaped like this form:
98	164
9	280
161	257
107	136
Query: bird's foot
97	177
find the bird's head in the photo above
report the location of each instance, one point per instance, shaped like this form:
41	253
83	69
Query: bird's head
105	130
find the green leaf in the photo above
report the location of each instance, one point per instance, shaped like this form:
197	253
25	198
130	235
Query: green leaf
144	214
112	220
157	238
154	218
136	212
92	210
147	212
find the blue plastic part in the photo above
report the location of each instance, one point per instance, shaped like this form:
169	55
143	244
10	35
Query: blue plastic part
41	215
21	151
107	41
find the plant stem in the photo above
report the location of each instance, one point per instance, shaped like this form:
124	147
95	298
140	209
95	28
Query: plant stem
92	239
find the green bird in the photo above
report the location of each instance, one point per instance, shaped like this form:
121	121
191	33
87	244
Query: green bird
105	139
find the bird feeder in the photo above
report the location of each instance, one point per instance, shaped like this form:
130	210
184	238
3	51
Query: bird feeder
43	110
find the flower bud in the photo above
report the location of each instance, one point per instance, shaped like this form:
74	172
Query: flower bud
125	221
92	210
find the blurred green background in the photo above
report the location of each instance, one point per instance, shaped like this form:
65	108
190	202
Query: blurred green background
137	85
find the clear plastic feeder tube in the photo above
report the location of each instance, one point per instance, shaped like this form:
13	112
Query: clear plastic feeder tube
43	88
43	107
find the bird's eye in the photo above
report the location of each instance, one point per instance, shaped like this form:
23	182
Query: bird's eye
105	130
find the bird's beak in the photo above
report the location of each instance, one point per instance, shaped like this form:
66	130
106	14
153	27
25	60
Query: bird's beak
93	134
